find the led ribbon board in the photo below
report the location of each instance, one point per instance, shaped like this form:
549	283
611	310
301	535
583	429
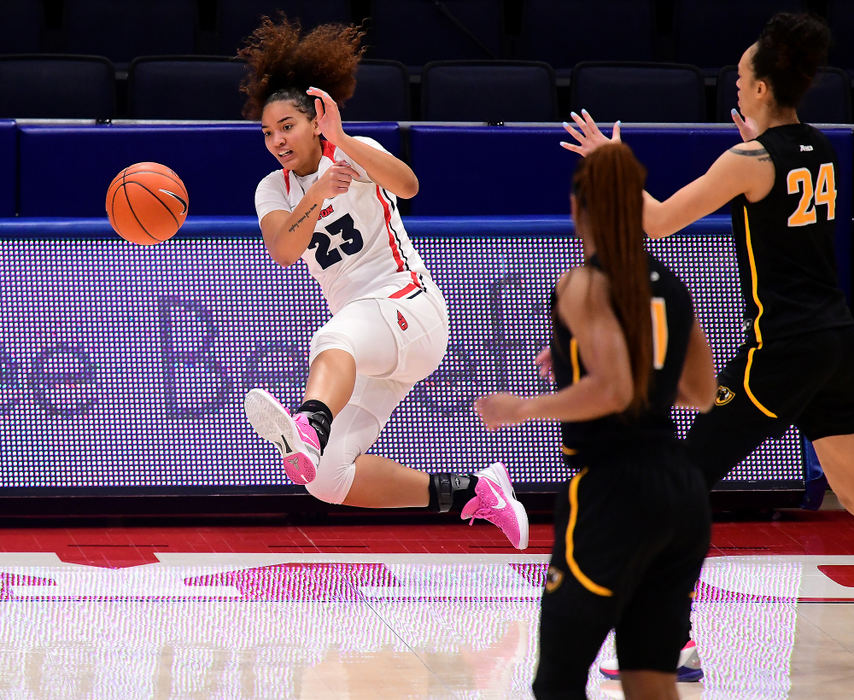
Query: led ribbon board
123	366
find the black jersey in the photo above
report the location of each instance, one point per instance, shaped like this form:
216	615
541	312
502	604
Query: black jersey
673	317
784	242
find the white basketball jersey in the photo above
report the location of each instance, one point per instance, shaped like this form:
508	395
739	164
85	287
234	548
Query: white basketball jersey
360	249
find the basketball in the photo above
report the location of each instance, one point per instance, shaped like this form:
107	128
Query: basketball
147	203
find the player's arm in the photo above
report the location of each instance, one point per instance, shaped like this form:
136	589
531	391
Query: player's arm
288	233
743	169
585	306
697	384
384	169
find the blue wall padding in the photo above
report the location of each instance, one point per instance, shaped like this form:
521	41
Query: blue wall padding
8	167
469	171
65	170
247	227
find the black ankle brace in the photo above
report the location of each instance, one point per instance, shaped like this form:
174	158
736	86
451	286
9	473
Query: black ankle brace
320	418
450	491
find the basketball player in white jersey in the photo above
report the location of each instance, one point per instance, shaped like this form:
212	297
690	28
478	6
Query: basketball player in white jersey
333	204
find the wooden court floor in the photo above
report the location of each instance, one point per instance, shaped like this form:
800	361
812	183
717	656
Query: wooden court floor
348	610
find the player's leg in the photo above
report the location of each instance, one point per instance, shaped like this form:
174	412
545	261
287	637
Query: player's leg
649	685
346	474
578	609
655	622
836	455
828	419
359	340
331	377
739	421
416	331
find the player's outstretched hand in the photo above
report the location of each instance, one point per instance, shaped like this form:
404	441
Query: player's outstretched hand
746	127
543	360
328	116
587	137
497	410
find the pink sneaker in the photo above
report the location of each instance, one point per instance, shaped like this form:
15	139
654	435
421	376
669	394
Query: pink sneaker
495	501
295	439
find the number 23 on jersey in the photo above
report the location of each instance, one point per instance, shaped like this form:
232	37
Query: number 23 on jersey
823	192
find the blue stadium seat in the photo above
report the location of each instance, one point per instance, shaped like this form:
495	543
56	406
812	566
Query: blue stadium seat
828	101
236	19
488	91
416	32
185	87
564	32
715	34
840	17
123	30
8	167
21	26
382	93
57	86
638	91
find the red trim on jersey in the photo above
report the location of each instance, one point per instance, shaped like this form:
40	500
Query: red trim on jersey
403	292
286	173
395	251
328	150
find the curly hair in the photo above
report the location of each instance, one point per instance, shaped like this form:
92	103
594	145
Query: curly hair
284	62
789	51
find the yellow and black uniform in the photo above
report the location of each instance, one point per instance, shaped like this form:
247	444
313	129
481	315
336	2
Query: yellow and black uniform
632	526
797	364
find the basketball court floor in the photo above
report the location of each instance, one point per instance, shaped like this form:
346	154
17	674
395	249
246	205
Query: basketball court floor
388	611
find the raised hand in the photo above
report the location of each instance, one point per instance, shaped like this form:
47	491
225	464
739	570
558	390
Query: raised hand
587	137
328	116
746	127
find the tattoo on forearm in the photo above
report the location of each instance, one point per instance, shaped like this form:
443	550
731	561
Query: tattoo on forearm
759	153
302	218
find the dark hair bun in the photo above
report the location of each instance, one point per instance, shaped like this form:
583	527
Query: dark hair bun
790	49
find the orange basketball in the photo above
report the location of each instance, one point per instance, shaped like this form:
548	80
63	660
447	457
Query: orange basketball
147	203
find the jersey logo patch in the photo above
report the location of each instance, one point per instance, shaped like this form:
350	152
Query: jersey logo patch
554	577
724	395
402	322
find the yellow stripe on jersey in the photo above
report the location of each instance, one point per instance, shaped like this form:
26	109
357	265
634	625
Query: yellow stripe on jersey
573	357
754	287
659	331
570	547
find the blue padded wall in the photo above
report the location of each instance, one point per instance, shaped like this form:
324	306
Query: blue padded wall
523	171
220	164
8	167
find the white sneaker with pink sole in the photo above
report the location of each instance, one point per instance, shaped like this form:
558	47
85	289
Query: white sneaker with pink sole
295	439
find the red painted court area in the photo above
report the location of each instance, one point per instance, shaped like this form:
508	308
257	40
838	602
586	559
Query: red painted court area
792	533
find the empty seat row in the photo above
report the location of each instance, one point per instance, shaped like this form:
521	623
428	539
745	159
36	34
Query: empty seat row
197	87
415	32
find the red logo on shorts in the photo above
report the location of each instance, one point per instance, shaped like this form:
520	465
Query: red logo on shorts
402	321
